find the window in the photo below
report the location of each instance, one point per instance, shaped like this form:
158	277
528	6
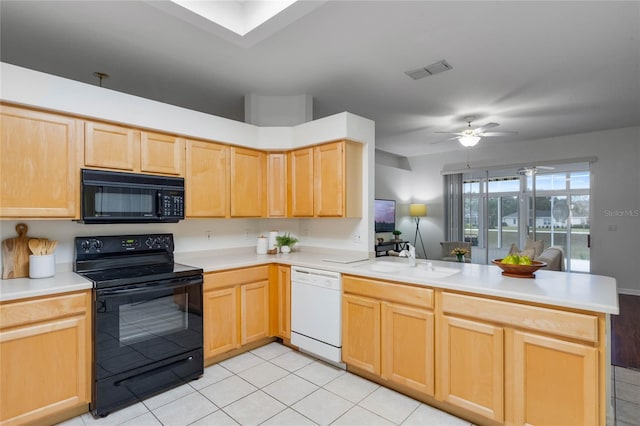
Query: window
505	207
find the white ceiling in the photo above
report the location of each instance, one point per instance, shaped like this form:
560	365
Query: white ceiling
543	69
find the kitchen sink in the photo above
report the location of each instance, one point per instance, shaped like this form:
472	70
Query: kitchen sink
401	267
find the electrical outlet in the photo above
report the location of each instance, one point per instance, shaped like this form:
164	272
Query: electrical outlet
209	235
246	234
356	237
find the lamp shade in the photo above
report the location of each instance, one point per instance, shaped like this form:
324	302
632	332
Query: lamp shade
416	210
468	140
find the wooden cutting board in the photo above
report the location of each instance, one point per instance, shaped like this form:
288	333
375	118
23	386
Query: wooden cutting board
15	254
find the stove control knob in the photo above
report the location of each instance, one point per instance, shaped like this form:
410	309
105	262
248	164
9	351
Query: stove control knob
97	244
86	245
149	242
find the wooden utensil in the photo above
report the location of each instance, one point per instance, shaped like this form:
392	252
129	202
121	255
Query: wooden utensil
35	246
15	254
51	246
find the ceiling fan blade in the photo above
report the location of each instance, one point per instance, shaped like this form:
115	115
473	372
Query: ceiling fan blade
450	133
486	127
489	134
446	140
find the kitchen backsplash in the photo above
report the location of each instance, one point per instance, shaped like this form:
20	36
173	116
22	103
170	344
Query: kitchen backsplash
201	234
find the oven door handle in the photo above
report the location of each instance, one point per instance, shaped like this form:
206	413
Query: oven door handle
153	372
149	287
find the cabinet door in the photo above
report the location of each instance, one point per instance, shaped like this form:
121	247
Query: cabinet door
277	184
300	183
161	153
220	321
284	302
247	183
408	346
361	332
329	197
111	147
472	366
45	369
38	167
254	302
555	382
207	184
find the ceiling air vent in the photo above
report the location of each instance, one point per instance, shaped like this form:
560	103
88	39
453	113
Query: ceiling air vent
428	70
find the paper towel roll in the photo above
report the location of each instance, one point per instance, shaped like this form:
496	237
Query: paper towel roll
262	245
272	239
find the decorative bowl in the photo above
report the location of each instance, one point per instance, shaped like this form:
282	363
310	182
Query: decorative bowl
519	271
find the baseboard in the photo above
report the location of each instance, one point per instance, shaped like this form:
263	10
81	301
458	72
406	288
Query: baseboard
629	291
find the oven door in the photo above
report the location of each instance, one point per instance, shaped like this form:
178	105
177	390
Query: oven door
137	325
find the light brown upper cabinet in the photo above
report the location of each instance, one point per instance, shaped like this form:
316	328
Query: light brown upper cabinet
109	146
276	184
207	179
326	180
300	182
39	159
248	183
160	153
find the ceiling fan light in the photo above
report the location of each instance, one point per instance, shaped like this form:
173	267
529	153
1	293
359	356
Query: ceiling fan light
469	141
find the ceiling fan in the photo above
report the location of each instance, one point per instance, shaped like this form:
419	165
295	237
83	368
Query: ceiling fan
532	170
470	137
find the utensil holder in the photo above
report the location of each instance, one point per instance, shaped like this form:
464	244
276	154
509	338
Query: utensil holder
42	266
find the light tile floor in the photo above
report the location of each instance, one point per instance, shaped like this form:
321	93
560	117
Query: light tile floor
274	385
626	396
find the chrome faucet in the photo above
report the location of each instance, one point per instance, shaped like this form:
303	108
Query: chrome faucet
410	253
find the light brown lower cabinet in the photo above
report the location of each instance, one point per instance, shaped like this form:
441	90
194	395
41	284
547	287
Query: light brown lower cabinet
522	364
220	320
407	346
283	283
472	366
492	361
555	381
45	358
388	330
236	309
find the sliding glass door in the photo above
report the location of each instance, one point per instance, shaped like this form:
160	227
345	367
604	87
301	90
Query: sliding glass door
506	207
559	213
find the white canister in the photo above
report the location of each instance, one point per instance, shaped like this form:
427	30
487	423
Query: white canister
261	248
43	266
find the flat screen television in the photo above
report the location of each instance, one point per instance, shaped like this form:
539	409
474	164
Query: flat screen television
384	215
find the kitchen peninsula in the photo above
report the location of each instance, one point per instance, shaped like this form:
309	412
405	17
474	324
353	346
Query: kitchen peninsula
461	337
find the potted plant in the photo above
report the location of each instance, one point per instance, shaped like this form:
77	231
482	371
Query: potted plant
396	234
285	242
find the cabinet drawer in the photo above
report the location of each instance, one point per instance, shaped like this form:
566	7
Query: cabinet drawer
29	311
392	292
234	277
562	323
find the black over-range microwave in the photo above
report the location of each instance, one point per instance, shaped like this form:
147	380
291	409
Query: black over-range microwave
115	197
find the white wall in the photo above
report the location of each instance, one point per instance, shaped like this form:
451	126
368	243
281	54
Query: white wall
31	88
615	191
277	110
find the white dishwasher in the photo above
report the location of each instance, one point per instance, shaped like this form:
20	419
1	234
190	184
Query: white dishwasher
316	312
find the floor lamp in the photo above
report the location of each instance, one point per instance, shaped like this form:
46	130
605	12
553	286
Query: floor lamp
417	211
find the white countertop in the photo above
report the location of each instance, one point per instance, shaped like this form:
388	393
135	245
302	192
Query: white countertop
564	289
571	290
61	282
